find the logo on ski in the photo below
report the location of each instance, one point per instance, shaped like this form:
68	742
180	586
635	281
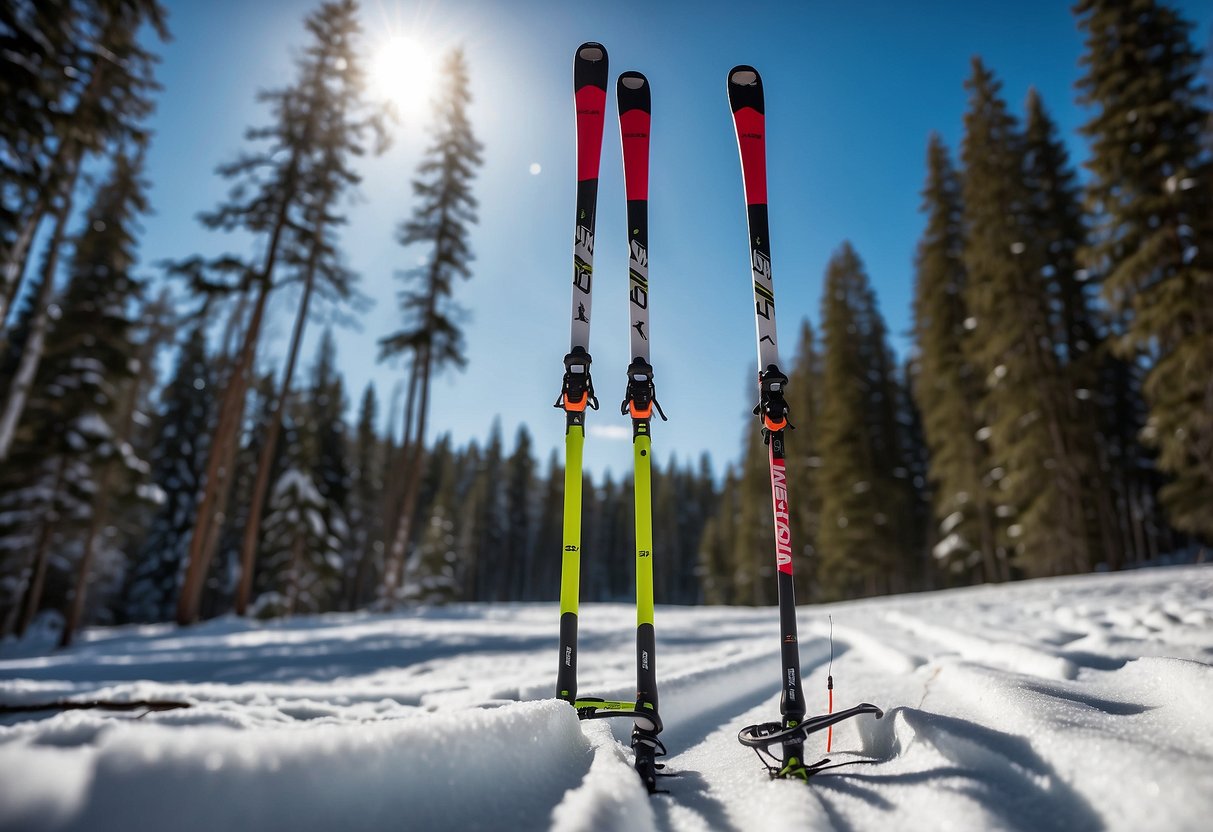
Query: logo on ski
585	239
762	266
639	327
583	276
640	256
638	271
783	534
581	314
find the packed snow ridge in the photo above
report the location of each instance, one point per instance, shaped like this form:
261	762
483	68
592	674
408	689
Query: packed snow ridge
1066	704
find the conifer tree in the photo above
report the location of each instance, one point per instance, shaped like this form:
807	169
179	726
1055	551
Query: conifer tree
303	560
1042	470
1059	232
177	460
75	80
317	125
863	474
431	337
316	262
948	385
1151	196
74	404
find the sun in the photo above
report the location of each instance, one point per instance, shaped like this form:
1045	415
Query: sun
403	73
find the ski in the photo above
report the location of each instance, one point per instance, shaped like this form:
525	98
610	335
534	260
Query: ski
749	120
577	388
633	96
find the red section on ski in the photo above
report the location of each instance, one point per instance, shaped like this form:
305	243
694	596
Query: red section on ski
634	127
591	101
779	499
751	141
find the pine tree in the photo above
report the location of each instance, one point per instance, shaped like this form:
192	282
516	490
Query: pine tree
863	474
1059	232
75	400
1043	472
302	556
948	385
431	337
75	80
1151	196
281	199
177	460
316	262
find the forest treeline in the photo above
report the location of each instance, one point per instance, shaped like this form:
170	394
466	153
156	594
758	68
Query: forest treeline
1054	415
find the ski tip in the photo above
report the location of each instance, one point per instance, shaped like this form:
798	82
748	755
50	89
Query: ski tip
590	65
632	92
745	88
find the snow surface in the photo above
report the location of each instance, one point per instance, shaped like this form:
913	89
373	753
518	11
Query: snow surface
1068	704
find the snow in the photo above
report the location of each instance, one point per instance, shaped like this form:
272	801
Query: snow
1069	704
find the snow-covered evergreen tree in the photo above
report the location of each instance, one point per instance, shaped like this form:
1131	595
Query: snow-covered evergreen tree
301	558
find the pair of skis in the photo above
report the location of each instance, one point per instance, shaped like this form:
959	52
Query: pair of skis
577	391
577	396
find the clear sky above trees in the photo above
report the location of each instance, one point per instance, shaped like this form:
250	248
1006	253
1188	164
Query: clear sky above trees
852	90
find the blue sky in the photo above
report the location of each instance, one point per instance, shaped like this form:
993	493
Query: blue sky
853	90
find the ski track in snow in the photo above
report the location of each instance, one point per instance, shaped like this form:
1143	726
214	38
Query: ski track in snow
1067	704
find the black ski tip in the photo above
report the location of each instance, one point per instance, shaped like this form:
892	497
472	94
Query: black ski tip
745	88
590	66
632	92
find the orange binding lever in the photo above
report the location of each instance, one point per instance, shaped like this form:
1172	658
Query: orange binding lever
577	389
772	408
641	394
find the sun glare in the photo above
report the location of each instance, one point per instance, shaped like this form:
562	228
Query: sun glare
404	73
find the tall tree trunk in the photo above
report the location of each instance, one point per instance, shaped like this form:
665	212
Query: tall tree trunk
412	483
252	528
31	353
393	565
225	439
